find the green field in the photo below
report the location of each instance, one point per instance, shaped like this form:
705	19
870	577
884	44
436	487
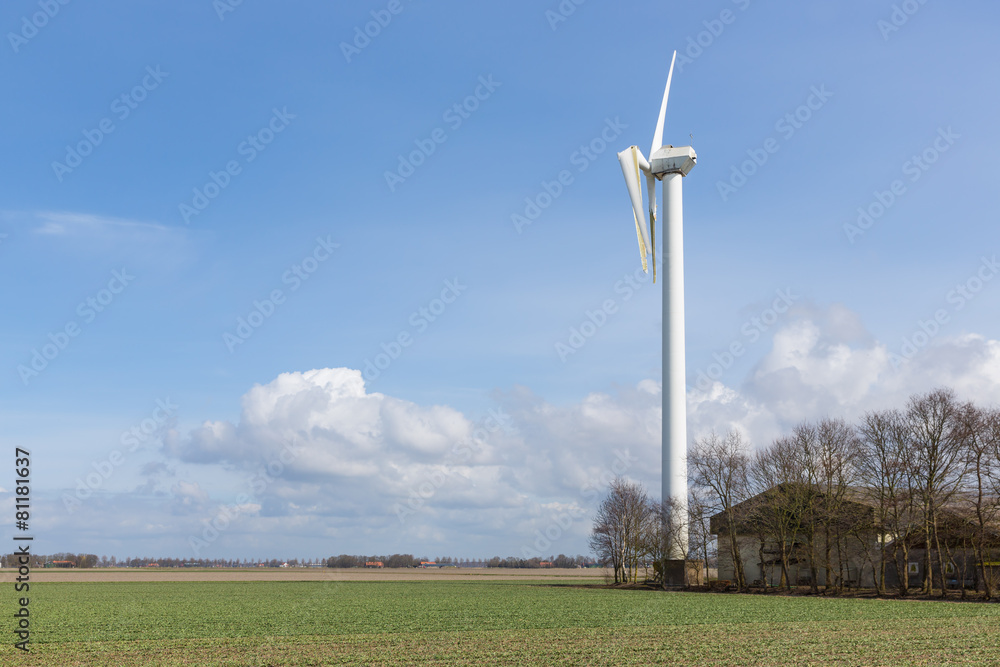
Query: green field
314	623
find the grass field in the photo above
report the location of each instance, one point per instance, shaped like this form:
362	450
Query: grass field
482	623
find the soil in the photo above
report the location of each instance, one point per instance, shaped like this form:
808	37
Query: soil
300	574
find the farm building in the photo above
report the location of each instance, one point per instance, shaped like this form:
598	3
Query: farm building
841	541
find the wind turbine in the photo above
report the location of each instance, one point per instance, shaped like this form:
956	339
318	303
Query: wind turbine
670	165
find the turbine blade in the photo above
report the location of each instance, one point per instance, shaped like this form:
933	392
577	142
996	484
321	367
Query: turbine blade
651	193
642	246
658	135
629	160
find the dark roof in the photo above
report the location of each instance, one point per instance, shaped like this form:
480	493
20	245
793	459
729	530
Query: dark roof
858	500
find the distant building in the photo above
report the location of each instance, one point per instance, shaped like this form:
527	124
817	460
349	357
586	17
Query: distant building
60	563
374	563
857	546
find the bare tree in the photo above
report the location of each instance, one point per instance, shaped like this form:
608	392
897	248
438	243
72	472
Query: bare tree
805	440
937	434
840	498
667	522
606	540
777	473
699	530
720	467
982	428
886	466
621	528
837	453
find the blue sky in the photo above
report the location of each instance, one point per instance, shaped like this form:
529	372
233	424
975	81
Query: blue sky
123	119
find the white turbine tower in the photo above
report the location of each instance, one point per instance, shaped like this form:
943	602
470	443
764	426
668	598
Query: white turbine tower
670	165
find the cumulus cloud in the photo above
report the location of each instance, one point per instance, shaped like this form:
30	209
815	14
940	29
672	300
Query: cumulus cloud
317	446
823	363
315	458
332	426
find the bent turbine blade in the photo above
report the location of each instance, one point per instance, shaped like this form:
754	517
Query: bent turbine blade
651	193
658	135
630	160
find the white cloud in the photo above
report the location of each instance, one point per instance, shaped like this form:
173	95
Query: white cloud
61	223
332	425
359	462
148	244
824	364
322	461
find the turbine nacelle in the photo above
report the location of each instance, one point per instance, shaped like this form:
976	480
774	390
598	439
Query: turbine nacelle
673	160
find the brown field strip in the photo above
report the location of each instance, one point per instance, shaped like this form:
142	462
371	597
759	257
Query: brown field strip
301	574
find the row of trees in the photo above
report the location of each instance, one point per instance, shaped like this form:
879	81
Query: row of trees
91	561
395	560
560	561
408	560
341	561
633	533
925	477
77	560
